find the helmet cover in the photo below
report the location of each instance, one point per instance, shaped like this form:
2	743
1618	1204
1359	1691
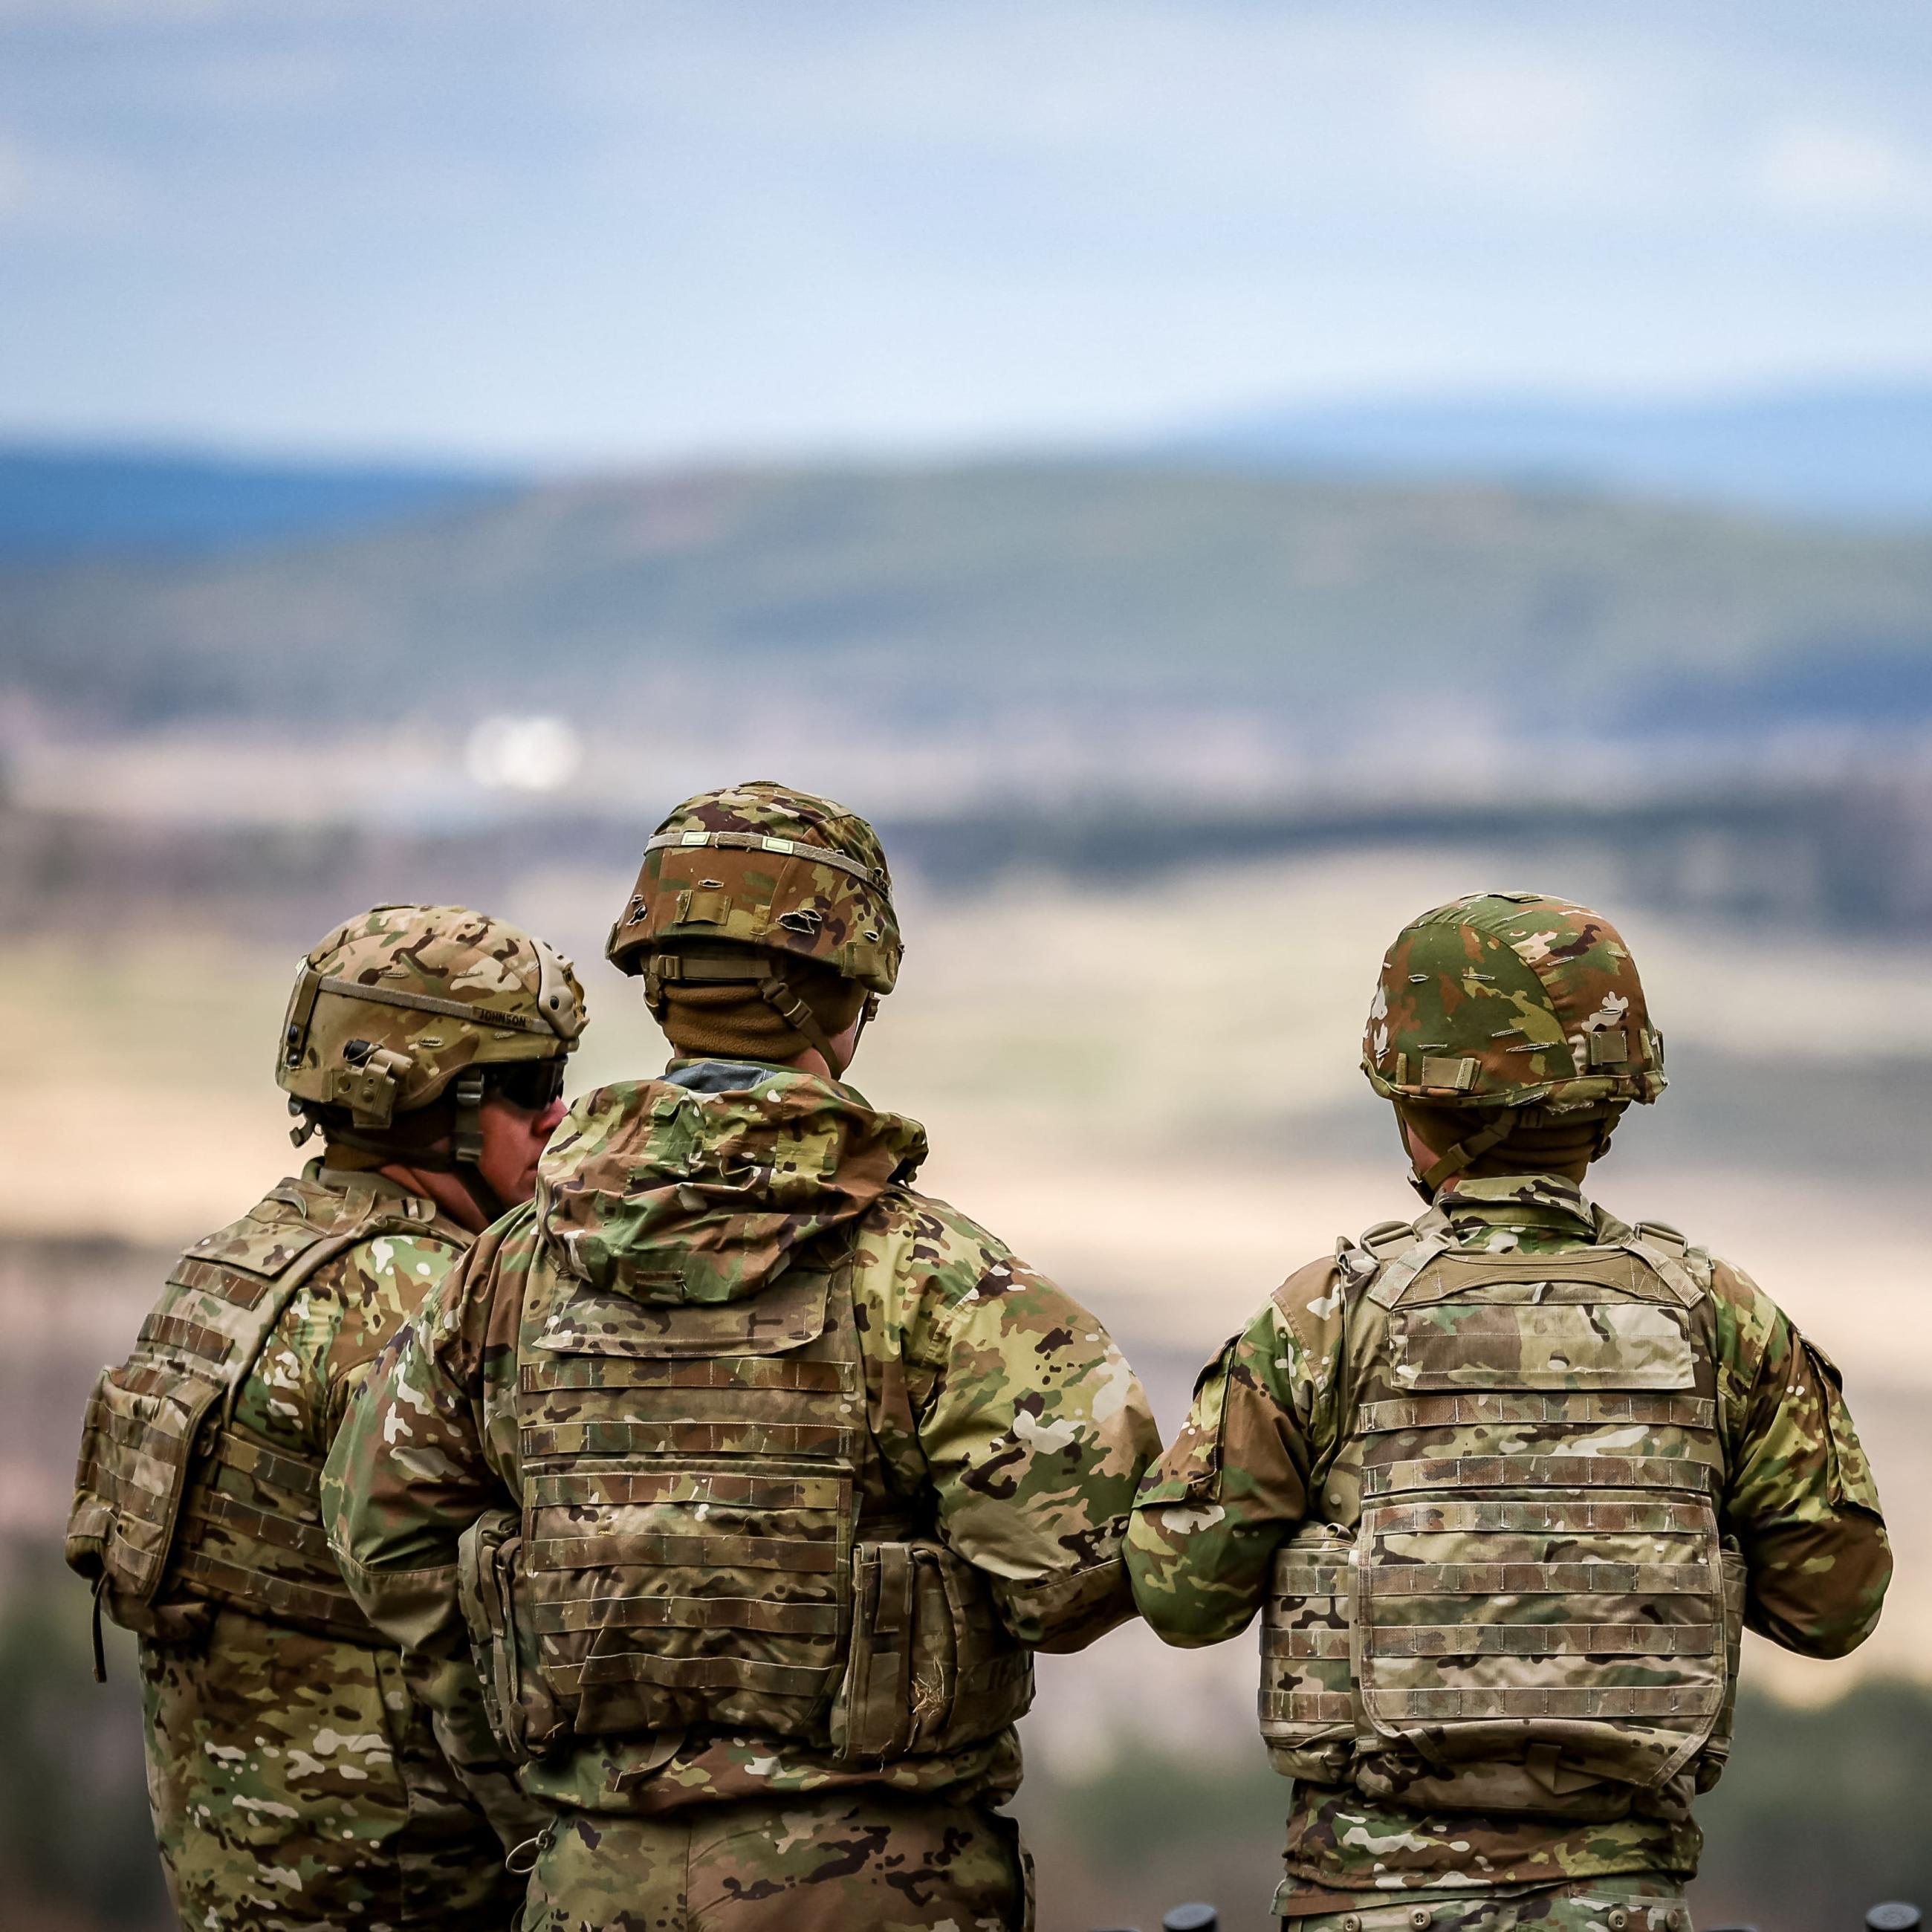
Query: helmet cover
396	1003
1511	1000
757	865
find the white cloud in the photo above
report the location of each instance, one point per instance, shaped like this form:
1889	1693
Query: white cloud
622	226
1513	111
1819	168
16	184
47	190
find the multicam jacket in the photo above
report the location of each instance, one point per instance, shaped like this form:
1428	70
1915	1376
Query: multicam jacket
1268	1450
742	1467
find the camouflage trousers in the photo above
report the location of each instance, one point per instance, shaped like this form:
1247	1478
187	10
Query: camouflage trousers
295	1785
1632	1903
838	1861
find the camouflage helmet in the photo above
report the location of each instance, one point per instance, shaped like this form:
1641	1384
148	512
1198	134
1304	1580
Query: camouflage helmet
757	865
1513	1004
785	874
396	1004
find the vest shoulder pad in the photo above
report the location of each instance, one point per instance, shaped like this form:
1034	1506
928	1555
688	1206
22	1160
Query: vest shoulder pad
1662	1235
290	1222
1367	1252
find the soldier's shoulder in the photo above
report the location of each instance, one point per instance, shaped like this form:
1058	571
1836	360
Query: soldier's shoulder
508	1244
1313	1295
1748	1322
1308	1305
918	1236
302	1214
1722	1279
396	1266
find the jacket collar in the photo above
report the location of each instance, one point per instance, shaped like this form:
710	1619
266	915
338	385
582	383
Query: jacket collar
1544	1202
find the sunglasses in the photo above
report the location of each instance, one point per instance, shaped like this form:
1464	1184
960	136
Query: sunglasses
531	1084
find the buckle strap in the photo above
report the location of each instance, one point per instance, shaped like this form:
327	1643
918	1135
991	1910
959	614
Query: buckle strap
755	841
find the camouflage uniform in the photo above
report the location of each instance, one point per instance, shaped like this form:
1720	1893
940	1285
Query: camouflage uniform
1279	1491
763	1662
294	1780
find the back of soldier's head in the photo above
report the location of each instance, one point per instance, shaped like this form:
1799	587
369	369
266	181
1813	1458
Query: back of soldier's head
1511	1031
761	923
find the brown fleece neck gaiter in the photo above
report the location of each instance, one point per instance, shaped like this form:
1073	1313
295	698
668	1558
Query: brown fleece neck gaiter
1566	1148
734	1022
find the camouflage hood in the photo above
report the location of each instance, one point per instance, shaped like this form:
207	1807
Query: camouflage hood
691	1189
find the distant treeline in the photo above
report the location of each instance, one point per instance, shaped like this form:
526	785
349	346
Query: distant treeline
1430	620
1853	849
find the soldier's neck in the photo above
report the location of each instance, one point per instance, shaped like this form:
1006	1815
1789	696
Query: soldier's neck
447	1192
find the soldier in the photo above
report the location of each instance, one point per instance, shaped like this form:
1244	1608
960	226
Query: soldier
756	1475
295	1781
1506	1483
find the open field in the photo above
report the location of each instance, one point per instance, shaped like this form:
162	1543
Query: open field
1152	1094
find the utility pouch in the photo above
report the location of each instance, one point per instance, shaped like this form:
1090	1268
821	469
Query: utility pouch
137	1448
523	1717
1717	1751
1309	1712
930	1666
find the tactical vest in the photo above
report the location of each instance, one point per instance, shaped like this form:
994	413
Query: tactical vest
175	1504
707	1537
1520	1599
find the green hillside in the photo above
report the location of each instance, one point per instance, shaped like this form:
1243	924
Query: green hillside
982	584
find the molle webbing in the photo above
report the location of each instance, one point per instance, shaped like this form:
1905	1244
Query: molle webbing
173	1495
1445	1475
251	1534
1441	1412
1534	1600
689	1517
708	1538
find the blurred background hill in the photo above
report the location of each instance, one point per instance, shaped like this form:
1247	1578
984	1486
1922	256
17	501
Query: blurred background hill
1211	481
1854	455
1000	587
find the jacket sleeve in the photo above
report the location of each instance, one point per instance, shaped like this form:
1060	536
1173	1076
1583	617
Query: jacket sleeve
1034	1433
409	1473
1234	1482
1800	1497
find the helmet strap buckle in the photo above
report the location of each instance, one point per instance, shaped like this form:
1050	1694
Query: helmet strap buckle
466	1145
1464	1153
800	1017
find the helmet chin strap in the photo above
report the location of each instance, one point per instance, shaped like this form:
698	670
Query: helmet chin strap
457	1157
764	978
1428	1181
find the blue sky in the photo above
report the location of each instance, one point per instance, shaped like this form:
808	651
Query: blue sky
613	231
